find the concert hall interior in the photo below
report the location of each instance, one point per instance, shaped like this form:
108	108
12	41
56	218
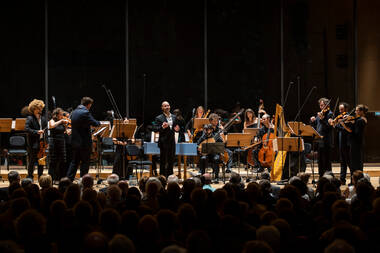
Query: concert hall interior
190	126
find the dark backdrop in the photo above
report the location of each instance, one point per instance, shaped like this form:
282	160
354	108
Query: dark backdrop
87	49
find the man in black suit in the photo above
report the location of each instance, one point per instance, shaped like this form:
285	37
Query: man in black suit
166	125
321	123
35	126
81	142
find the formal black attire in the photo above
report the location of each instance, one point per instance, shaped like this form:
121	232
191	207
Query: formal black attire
166	143
344	152
32	126
214	159
57	152
325	144
81	142
356	138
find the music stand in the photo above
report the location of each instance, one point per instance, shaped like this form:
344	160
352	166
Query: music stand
253	131
288	144
301	129
213	148
239	140
5	127
124	131
200	122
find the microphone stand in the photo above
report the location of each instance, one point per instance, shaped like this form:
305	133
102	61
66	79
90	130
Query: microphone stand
117	125
299	131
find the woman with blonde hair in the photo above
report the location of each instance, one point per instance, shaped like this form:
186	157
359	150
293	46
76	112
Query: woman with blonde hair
35	126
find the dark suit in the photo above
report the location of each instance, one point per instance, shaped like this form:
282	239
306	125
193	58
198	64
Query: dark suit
81	142
325	144
166	143
344	152
32	126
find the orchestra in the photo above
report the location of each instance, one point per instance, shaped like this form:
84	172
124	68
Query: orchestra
65	141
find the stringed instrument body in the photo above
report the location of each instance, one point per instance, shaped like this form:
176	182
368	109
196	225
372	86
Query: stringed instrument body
266	153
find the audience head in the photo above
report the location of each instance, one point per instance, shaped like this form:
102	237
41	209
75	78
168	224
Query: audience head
339	245
87	181
172	178
26	181
121	244
63	184
13	176
112	179
45	181
265	175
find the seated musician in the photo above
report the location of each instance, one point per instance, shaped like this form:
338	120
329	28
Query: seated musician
199	113
212	131
266	125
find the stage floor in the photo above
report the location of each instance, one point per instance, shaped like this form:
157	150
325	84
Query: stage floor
372	169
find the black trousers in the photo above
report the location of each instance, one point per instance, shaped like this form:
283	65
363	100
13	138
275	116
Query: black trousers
33	159
324	159
356	157
214	160
344	154
120	154
167	154
57	169
81	156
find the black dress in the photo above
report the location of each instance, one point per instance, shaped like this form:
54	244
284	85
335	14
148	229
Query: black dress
356	138
57	152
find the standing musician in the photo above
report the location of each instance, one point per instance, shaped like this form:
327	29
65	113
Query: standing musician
35	126
81	142
250	119
266	127
321	123
211	131
166	125
199	113
57	147
344	148
356	136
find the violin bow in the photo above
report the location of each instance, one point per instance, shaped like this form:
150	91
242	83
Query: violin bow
336	104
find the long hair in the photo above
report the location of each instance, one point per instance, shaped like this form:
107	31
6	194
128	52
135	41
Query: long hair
35	104
246	117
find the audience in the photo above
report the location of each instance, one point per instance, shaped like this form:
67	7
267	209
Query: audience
162	216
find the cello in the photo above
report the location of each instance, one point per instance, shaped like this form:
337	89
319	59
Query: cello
266	153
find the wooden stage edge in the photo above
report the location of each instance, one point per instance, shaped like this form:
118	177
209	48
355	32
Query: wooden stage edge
372	169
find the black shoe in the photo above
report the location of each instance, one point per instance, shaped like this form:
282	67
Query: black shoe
350	184
228	171
343	182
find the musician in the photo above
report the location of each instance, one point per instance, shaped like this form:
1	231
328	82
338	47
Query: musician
356	136
211	131
343	144
199	113
324	129
81	142
250	119
57	146
35	126
181	123
166	125
266	127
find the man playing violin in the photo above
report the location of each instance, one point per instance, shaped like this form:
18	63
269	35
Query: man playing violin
321	124
344	148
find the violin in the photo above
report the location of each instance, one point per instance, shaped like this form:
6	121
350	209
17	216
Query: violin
68	124
323	112
350	119
335	121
